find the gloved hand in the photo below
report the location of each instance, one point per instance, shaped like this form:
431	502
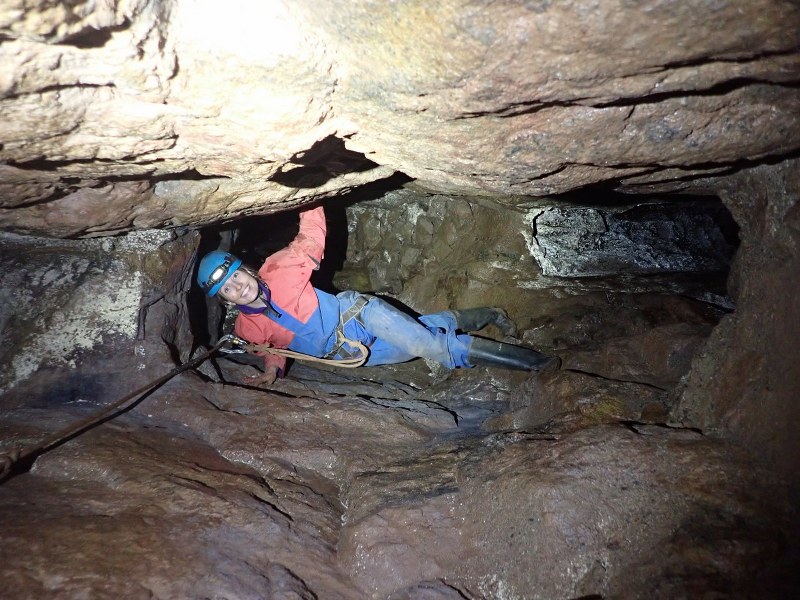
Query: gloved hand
267	378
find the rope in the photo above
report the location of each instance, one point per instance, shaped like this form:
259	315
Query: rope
9	458
348	363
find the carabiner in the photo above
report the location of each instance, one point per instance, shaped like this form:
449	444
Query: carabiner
237	344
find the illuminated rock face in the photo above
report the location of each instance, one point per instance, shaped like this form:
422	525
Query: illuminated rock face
586	242
152	113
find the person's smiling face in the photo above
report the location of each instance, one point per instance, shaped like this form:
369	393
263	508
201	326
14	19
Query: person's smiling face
240	288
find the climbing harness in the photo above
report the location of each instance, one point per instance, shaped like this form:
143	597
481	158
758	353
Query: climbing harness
347	349
238	346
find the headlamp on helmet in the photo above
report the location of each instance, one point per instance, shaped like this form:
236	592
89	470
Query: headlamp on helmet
215	269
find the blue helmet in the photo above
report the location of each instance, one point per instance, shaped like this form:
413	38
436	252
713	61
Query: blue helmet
215	268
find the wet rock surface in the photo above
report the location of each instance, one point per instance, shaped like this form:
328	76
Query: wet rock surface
207	489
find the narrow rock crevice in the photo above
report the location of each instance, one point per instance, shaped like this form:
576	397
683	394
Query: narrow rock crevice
325	160
719	89
612	379
92	37
11	96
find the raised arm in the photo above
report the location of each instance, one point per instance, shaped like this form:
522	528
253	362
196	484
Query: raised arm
310	239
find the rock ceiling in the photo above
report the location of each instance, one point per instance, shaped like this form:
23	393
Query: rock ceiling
150	113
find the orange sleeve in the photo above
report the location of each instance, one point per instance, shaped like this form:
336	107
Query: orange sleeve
288	271
310	239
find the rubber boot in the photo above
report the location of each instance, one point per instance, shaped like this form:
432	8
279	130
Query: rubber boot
508	356
473	319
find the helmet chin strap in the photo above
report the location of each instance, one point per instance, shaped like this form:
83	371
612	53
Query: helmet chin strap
265	295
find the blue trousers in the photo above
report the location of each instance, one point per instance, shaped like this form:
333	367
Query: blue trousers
394	337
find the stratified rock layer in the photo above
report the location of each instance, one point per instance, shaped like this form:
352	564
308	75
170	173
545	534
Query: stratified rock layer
148	113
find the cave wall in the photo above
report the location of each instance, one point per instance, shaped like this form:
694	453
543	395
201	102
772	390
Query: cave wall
627	331
443	251
78	314
745	383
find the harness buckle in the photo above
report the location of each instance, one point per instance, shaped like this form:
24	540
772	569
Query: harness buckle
354	312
